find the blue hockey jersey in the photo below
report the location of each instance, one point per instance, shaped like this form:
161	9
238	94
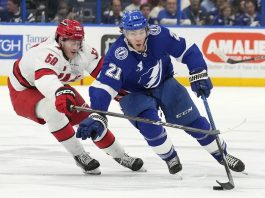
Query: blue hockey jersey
132	71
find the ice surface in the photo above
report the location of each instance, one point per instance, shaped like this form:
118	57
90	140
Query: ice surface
34	165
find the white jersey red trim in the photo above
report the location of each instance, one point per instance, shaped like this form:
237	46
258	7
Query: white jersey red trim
47	59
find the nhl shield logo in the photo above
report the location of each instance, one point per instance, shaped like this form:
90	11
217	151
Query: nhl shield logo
106	42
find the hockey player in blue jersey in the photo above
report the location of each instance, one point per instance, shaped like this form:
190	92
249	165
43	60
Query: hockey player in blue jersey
138	71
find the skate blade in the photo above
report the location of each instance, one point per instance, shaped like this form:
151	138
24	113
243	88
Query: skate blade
244	173
92	172
142	169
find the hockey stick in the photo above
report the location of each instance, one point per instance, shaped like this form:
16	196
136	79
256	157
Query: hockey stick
232	128
230	184
226	59
138	119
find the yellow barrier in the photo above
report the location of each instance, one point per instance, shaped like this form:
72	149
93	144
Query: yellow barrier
236	82
231	82
3	80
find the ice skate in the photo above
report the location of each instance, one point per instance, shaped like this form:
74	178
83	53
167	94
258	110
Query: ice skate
133	163
87	163
174	167
234	163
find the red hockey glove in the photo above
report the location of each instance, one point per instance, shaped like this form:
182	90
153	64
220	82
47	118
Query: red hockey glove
65	97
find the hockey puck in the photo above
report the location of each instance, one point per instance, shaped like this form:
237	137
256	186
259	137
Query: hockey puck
218	188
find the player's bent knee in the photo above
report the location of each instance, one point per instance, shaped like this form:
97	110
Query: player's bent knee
150	131
47	111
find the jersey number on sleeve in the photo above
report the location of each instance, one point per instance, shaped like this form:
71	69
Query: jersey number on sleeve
51	59
114	71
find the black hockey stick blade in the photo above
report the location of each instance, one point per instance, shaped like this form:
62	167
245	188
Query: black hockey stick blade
226	59
224	186
149	121
232	61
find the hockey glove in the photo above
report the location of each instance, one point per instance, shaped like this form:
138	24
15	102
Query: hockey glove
65	97
92	127
200	82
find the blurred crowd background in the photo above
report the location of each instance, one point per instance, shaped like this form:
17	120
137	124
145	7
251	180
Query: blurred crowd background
165	12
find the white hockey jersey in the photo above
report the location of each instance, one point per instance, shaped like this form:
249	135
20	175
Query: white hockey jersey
45	67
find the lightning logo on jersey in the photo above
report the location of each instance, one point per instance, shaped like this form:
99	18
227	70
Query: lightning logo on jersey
152	77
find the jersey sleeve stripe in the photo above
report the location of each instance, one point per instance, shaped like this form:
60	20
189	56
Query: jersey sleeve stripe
19	77
43	72
107	88
96	71
188	45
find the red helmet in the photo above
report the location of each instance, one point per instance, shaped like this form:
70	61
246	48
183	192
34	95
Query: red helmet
70	29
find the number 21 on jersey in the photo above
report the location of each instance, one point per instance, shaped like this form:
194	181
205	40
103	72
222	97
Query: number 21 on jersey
113	71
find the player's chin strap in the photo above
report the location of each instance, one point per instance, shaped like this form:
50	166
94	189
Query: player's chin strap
230	184
138	119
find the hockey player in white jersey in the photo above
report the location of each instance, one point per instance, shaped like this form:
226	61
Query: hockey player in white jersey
139	63
39	91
